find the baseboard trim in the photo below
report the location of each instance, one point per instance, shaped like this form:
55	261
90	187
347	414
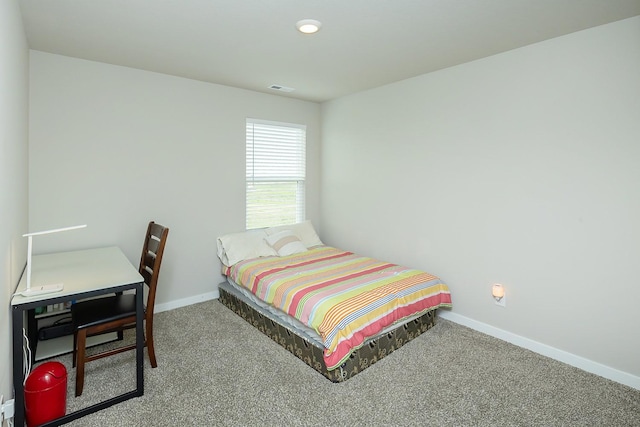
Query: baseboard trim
545	350
186	301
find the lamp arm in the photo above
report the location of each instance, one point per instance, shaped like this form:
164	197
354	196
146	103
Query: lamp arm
30	250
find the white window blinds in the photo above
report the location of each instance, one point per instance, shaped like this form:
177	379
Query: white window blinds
275	173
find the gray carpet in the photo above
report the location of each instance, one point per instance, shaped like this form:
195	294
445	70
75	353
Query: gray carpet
216	370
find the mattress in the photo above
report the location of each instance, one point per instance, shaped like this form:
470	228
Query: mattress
291	323
346	299
272	313
311	353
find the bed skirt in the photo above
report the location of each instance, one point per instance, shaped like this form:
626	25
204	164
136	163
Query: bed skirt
310	354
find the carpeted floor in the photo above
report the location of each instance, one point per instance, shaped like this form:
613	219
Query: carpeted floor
216	370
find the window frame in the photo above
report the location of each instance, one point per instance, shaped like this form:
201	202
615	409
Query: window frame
273	163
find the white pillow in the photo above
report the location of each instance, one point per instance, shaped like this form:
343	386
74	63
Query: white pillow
286	243
303	230
236	247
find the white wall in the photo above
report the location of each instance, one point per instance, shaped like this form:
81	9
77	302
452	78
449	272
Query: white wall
523	169
14	87
115	147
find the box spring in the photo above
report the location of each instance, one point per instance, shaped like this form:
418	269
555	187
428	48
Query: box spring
374	350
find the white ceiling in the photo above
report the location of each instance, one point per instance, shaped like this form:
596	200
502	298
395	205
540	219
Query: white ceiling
253	44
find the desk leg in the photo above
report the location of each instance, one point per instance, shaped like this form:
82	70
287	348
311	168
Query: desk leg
139	340
18	365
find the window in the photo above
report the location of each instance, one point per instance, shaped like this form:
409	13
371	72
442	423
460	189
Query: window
275	173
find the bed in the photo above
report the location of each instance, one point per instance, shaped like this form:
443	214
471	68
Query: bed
337	311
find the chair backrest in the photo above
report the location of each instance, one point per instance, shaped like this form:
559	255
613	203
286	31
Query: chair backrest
150	261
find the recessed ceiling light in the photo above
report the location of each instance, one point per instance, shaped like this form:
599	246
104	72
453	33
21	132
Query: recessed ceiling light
308	26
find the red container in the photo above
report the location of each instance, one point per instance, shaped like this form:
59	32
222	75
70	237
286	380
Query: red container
45	393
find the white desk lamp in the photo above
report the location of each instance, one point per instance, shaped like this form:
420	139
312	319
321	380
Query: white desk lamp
42	289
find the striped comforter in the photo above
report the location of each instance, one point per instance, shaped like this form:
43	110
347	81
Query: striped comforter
344	297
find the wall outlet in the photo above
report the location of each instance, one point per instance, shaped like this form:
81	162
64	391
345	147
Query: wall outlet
6	410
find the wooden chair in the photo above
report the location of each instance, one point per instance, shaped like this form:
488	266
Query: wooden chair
117	313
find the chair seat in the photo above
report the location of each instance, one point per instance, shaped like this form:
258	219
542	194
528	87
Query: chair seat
118	313
103	310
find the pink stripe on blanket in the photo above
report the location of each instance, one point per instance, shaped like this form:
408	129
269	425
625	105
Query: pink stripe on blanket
346	347
260	276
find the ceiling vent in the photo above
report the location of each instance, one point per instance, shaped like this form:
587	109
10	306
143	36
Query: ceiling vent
281	88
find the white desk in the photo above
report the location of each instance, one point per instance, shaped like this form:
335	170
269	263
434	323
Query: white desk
84	274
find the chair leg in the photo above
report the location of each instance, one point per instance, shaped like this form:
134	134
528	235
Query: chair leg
82	343
75	346
149	344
